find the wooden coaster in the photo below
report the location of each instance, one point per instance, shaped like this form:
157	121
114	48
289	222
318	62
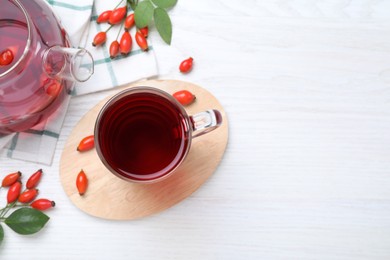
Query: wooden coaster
110	197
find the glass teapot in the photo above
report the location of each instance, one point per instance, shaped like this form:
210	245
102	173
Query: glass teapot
37	66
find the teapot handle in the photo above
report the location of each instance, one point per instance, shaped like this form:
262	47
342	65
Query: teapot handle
74	64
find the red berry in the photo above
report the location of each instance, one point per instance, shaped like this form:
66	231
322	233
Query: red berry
6	57
141	41
114	49
14	191
117	15
186	65
145	31
53	89
11	179
34	179
87	143
103	17
129	21
99	39
126	43
28	196
184	97
42	204
82	182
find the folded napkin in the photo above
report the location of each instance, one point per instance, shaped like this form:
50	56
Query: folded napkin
78	18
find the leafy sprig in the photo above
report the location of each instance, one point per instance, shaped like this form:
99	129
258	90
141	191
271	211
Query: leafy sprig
22	213
25	221
148	11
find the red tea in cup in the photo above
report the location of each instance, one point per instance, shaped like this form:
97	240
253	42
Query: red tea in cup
143	134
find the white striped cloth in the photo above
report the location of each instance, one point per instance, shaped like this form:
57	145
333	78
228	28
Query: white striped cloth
78	18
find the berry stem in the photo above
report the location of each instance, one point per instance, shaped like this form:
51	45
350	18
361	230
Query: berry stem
7	208
3	209
118	4
120	29
109	28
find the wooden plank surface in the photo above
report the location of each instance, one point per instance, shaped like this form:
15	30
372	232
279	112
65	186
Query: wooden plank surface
306	173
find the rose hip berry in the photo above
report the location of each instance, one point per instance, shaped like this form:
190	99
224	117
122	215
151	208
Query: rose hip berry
87	143
82	182
6	57
99	39
42	204
114	49
53	89
186	65
145	31
141	41
184	97
13	192
34	179
28	196
117	15
126	43
11	179
103	17
129	22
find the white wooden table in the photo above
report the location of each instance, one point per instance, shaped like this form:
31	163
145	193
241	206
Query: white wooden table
306	174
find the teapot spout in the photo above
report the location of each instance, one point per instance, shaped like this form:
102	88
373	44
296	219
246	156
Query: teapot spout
74	64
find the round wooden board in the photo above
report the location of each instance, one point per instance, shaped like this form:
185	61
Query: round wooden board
110	197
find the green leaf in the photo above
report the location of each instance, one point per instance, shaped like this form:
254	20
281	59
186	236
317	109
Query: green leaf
26	221
163	24
1	233
132	4
164	3
143	14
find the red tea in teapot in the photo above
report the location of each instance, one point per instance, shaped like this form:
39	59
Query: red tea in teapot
28	93
14	35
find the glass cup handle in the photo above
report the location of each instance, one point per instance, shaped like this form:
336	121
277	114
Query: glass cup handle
205	122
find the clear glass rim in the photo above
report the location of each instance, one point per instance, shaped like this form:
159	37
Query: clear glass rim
28	41
74	68
129	91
